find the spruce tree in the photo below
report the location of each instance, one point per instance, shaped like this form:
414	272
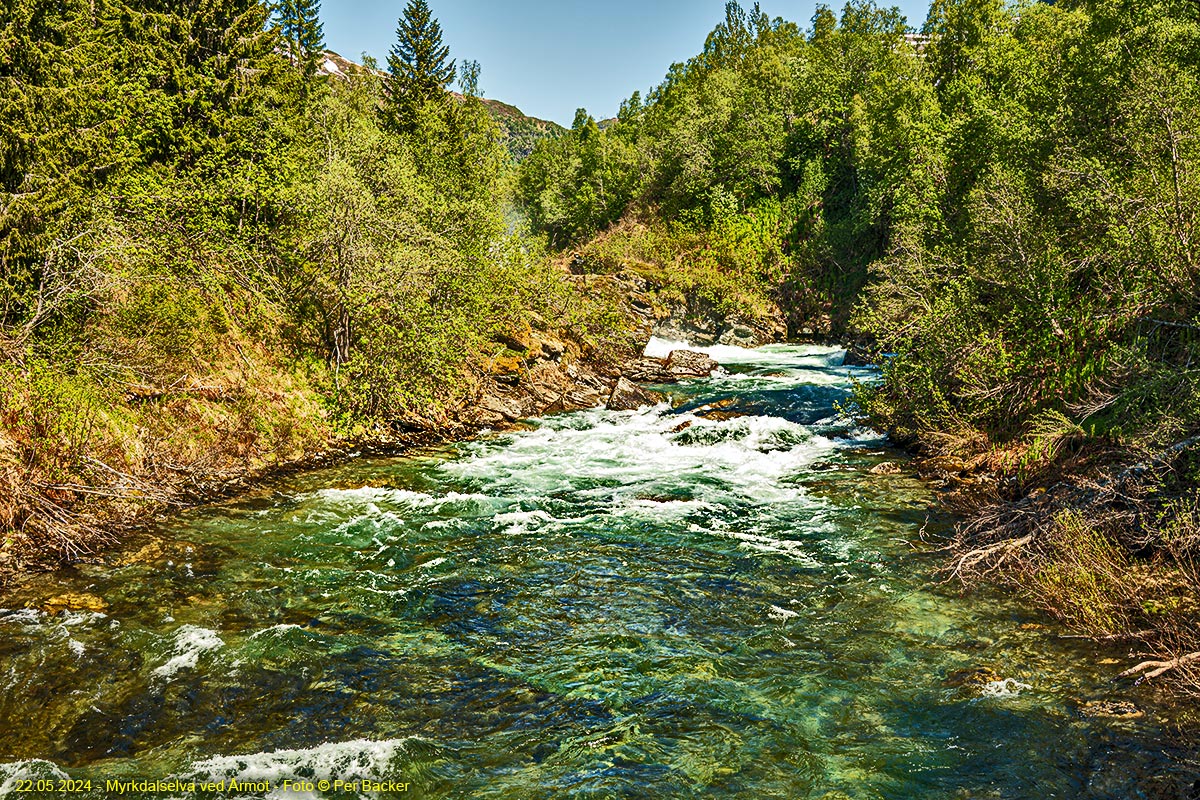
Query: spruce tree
302	31
419	65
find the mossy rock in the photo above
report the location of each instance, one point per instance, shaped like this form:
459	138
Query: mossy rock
1111	709
973	677
74	601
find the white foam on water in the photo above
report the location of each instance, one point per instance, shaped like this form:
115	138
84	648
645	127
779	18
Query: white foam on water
770	355
378	521
625	455
781	547
347	761
190	643
24	616
1007	687
275	630
782	614
523	521
660	510
372	497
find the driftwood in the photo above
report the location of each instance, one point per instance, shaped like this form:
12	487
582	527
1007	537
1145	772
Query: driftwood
1157	668
1000	552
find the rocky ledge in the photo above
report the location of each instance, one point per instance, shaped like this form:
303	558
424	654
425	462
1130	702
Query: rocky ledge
680	365
549	386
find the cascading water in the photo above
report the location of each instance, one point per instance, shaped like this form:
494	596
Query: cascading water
715	597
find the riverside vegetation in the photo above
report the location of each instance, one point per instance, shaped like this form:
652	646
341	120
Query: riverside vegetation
216	259
1003	212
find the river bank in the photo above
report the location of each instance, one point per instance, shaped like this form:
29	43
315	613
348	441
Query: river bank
1095	539
75	484
546	369
715	596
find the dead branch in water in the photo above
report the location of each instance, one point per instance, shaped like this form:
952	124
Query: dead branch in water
1000	552
1158	668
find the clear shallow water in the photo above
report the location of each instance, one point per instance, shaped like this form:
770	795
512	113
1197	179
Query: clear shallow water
607	605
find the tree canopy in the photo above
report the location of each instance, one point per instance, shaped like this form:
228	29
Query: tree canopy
419	64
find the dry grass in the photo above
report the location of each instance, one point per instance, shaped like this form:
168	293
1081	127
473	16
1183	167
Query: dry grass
1104	540
81	455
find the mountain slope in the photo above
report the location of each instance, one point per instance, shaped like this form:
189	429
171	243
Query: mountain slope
519	132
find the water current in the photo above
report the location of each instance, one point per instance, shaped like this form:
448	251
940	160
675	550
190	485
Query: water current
714	597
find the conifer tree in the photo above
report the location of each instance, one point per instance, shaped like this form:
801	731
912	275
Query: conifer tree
419	65
302	31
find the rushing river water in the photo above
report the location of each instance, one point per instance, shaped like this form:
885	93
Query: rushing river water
668	603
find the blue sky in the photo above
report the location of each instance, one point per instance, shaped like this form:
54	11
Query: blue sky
550	58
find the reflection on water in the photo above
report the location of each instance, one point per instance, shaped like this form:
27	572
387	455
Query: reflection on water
666	603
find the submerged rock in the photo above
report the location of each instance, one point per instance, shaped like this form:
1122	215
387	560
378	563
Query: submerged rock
886	468
628	396
977	677
721	410
1111	709
74	601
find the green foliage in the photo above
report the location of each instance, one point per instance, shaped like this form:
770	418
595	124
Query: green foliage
181	200
419	69
1060	240
1004	210
823	126
302	33
1086	579
52	416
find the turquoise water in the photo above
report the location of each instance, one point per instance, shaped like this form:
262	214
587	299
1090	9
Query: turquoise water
671	603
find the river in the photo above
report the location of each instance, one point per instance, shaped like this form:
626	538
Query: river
716	597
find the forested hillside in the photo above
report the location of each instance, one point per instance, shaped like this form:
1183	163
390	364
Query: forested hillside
214	256
519	132
1002	211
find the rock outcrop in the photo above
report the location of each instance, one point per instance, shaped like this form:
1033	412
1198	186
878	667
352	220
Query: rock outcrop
696	321
680	365
628	396
689	364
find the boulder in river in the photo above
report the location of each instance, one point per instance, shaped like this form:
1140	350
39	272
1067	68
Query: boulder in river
628	396
976	676
1111	709
680	365
647	370
689	364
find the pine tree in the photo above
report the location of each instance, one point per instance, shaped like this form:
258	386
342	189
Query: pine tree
302	31
419	65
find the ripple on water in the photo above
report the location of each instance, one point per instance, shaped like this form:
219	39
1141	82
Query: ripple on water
611	604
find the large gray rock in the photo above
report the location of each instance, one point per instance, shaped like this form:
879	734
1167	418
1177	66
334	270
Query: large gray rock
648	370
740	336
628	396
680	365
688	364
